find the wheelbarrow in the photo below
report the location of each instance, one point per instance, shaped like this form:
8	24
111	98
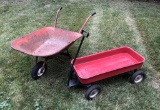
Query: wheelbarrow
46	43
89	69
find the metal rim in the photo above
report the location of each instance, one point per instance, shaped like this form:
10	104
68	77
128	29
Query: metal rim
93	93
138	78
40	71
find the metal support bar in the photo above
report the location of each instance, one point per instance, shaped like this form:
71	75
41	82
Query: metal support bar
43	66
71	69
36	60
66	54
69	54
45	60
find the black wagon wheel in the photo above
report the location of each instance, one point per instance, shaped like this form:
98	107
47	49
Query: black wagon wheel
137	77
38	70
92	92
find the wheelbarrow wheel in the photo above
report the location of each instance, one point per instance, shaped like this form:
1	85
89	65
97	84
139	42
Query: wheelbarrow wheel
92	92
137	77
38	71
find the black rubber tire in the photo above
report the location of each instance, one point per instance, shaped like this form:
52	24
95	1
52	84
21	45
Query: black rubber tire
137	77
36	69
92	92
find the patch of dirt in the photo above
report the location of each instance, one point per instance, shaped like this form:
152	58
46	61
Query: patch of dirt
16	90
1	75
17	99
73	0
94	29
22	0
132	25
47	6
156	84
6	1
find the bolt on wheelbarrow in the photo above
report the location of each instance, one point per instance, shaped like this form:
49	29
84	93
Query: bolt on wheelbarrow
46	43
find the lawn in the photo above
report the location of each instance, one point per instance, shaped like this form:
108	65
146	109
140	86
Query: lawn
117	23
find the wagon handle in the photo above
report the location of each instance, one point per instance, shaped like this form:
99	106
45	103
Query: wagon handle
55	22
80	31
87	33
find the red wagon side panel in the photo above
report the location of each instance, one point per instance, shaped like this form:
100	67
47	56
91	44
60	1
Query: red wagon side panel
106	64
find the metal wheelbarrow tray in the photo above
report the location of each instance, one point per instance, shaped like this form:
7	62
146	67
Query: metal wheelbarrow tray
47	42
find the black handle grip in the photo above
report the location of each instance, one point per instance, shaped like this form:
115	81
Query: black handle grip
93	13
60	8
87	33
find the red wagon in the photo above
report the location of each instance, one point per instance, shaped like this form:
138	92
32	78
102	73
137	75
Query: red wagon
46	43
95	67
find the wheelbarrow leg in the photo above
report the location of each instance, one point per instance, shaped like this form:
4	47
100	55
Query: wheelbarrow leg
44	63
66	54
36	60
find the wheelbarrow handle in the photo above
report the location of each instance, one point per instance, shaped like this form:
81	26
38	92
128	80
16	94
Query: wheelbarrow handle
55	22
60	8
93	13
80	31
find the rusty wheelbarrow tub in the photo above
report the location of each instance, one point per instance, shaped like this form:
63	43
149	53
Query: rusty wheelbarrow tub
47	42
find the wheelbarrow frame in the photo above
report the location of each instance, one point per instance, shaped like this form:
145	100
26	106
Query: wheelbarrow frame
59	38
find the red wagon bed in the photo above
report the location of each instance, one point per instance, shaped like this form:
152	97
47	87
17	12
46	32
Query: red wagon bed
106	64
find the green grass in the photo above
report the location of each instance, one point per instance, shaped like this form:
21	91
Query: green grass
108	29
148	24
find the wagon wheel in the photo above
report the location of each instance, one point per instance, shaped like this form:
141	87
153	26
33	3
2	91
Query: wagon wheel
92	92
38	70
137	77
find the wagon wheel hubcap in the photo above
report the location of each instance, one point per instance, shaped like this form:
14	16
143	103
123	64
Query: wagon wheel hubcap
138	79
94	93
41	71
